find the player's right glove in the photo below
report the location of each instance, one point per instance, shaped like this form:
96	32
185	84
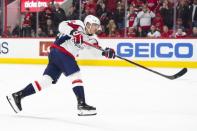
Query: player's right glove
109	53
77	37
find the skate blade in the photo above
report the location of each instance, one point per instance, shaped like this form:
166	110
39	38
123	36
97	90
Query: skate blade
11	101
86	113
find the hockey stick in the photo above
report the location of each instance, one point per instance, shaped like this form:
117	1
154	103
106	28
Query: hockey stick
172	77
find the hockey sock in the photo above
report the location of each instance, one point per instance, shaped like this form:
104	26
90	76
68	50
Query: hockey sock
28	90
79	92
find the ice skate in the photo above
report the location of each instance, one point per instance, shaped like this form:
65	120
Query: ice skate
15	101
86	110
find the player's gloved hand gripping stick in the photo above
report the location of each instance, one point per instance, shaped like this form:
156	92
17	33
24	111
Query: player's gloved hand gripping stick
171	77
78	37
109	53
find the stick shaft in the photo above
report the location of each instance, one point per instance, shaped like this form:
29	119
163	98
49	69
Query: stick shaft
177	75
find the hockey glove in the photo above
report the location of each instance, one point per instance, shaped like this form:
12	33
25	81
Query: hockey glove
109	53
77	37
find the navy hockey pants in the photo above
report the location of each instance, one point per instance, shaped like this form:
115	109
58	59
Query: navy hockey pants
59	63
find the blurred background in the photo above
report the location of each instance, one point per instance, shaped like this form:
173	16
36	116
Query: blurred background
119	18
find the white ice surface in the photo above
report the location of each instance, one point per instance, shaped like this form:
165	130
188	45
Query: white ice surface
127	99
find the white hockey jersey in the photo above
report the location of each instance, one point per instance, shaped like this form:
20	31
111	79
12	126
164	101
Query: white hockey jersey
65	37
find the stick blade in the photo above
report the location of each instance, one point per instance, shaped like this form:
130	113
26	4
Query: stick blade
177	75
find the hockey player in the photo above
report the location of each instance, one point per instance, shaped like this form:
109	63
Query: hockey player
62	60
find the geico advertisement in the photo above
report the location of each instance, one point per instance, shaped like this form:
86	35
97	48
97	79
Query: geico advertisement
151	49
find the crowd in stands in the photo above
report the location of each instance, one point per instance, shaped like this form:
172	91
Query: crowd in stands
143	18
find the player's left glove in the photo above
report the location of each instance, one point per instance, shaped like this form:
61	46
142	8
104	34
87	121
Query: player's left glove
109	53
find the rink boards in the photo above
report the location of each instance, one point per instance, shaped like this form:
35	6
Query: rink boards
148	52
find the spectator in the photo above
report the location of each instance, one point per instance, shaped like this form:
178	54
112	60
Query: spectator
33	21
183	12
166	33
101	33
152	4
112	29
103	14
121	3
48	13
153	33
91	6
33	33
179	24
111	5
44	15
194	32
49	29
26	25
104	20
101	8
113	32
49	7
85	13
16	31
145	16
131	17
111	25
158	22
59	15
85	9
73	14
140	32
76	3
137	4
119	16
40	33
51	33
167	12
42	18
180	33
131	32
193	13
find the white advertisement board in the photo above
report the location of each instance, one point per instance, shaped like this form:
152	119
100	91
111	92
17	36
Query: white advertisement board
170	50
